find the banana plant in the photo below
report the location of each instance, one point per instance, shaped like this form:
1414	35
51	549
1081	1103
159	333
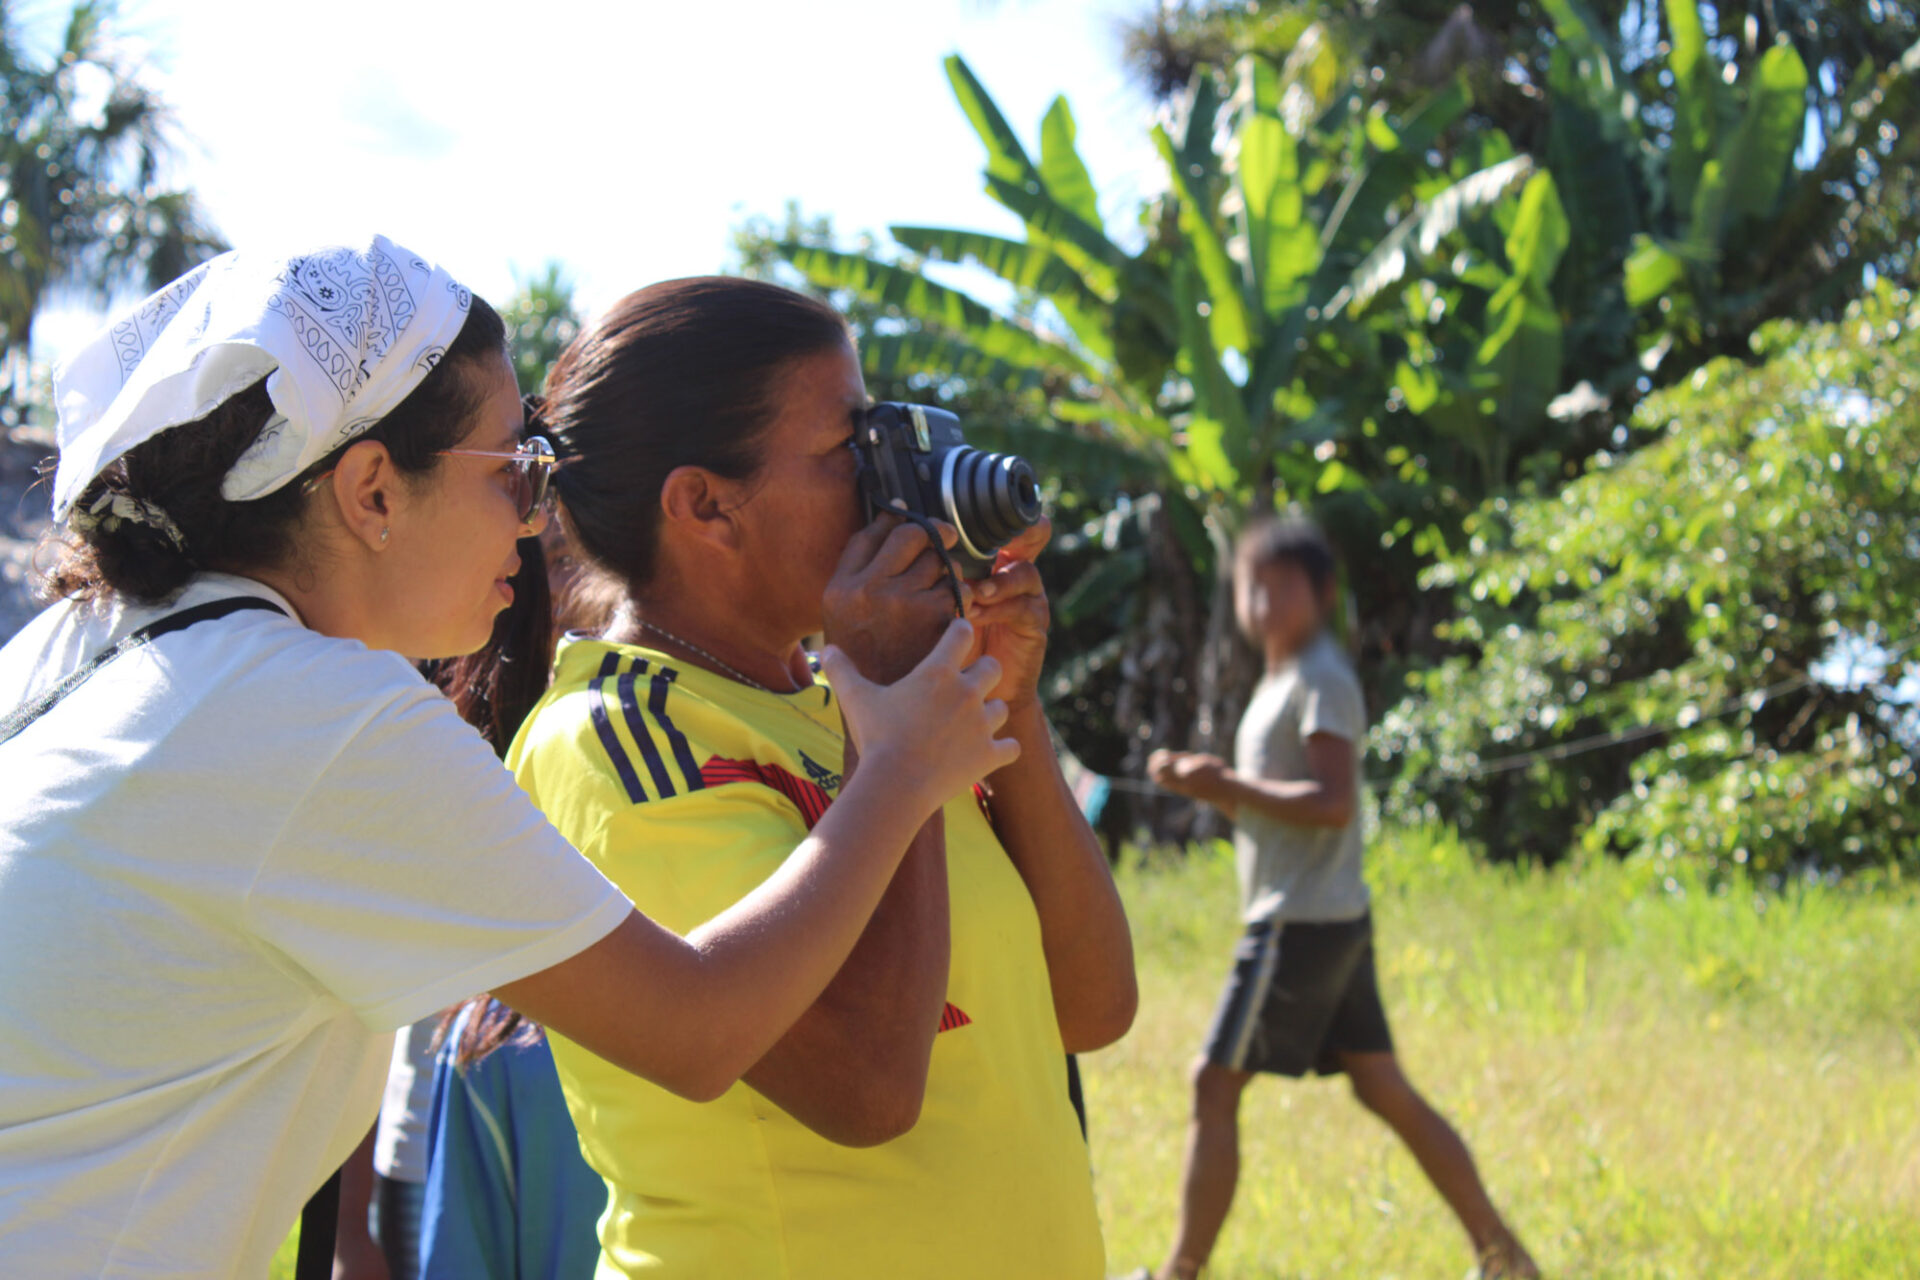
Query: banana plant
1208	372
1713	225
1209	356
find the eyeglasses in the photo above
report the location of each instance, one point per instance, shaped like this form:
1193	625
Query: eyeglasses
532	470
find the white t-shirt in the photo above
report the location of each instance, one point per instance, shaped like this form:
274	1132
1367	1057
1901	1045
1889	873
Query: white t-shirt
232	864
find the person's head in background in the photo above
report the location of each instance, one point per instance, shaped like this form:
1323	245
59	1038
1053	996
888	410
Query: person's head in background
397	536
1285	579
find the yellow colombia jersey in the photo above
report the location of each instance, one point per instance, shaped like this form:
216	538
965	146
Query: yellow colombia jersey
688	790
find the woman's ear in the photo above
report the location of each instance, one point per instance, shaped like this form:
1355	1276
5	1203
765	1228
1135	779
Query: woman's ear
366	490
697	504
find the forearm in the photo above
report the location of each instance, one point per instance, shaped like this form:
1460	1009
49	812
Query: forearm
1083	927
693	1014
1301	802
854	1067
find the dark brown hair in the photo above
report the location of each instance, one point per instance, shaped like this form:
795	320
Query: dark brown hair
683	373
181	469
1291	540
679	374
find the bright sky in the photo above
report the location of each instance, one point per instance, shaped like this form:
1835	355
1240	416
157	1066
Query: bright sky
625	140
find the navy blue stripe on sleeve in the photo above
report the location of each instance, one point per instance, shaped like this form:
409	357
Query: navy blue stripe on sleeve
682	752
642	736
603	726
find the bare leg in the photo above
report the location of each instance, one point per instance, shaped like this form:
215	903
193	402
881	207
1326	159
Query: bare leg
1382	1089
1213	1167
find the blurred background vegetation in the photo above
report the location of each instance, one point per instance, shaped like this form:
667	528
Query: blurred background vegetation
1584	328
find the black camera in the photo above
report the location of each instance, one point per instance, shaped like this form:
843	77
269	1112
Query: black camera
918	455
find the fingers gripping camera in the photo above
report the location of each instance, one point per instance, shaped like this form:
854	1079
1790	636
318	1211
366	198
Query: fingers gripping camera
918	456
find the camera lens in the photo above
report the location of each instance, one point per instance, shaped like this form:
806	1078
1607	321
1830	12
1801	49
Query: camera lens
990	497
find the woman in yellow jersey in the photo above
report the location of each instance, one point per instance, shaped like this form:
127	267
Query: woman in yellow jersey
916	1121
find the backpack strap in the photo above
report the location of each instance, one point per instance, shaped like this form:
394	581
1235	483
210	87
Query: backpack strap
25	715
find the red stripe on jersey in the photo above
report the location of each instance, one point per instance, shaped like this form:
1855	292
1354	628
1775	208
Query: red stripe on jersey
808	797
953	1016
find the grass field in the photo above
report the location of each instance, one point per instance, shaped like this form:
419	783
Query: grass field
1659	1080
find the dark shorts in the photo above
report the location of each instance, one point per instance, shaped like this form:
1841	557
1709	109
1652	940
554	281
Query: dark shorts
1299	996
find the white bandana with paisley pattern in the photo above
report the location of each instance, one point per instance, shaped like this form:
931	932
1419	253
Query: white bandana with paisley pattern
341	335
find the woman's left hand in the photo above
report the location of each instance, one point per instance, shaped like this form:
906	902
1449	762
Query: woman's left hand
1011	616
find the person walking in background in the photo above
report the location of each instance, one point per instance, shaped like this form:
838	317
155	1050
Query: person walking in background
1302	996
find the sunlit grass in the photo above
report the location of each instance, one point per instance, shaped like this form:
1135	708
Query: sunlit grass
1657	1082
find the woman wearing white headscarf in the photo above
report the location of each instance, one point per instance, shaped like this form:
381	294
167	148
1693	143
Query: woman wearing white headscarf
241	841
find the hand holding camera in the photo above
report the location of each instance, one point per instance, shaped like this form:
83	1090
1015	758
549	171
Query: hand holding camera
888	724
888	601
985	509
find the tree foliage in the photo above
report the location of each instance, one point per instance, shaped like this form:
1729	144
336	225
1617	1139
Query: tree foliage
541	320
84	200
1389	293
1698	647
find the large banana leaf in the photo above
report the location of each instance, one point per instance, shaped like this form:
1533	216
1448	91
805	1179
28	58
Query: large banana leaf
1696	104
1027	267
1071	227
1144	426
949	309
1652	270
1538	238
1589	73
1283	246
1423	230
1594	158
1082	245
902	355
1018	263
1218	435
1225	298
1006	158
1192	132
1061	168
1754	158
1384	180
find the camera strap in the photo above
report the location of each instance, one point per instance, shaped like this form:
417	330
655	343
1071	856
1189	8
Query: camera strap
940	548
25	715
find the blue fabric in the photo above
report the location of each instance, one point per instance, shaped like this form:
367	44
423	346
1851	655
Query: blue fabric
508	1195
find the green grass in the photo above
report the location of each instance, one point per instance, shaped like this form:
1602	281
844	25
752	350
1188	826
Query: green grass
1658	1079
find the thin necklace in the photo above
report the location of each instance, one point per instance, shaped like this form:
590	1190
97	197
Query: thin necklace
690	646
623	617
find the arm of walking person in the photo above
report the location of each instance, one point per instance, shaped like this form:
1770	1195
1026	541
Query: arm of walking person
694	1014
1328	797
1083	926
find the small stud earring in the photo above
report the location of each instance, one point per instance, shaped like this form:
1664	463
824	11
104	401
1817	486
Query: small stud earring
384	533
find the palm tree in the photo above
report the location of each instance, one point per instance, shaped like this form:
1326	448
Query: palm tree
84	205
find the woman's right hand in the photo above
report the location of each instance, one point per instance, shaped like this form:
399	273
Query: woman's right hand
935	726
889	601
